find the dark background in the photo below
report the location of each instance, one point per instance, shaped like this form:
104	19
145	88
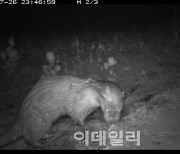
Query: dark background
43	18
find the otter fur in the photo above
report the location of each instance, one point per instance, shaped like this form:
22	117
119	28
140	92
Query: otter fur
57	96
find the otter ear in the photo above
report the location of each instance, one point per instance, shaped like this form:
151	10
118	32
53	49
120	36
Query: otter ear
123	94
108	91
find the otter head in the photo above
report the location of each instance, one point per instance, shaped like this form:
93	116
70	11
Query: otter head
111	102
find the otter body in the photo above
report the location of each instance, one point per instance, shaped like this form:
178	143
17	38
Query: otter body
57	96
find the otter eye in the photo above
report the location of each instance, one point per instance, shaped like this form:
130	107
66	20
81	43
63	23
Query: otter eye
107	110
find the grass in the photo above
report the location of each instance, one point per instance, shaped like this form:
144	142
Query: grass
138	53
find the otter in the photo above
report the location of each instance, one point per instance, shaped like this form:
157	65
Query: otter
56	96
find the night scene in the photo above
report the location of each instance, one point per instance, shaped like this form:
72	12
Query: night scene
89	75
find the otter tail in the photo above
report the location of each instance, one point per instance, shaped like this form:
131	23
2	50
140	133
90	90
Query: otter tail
10	136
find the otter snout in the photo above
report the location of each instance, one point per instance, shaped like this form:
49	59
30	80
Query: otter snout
112	119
